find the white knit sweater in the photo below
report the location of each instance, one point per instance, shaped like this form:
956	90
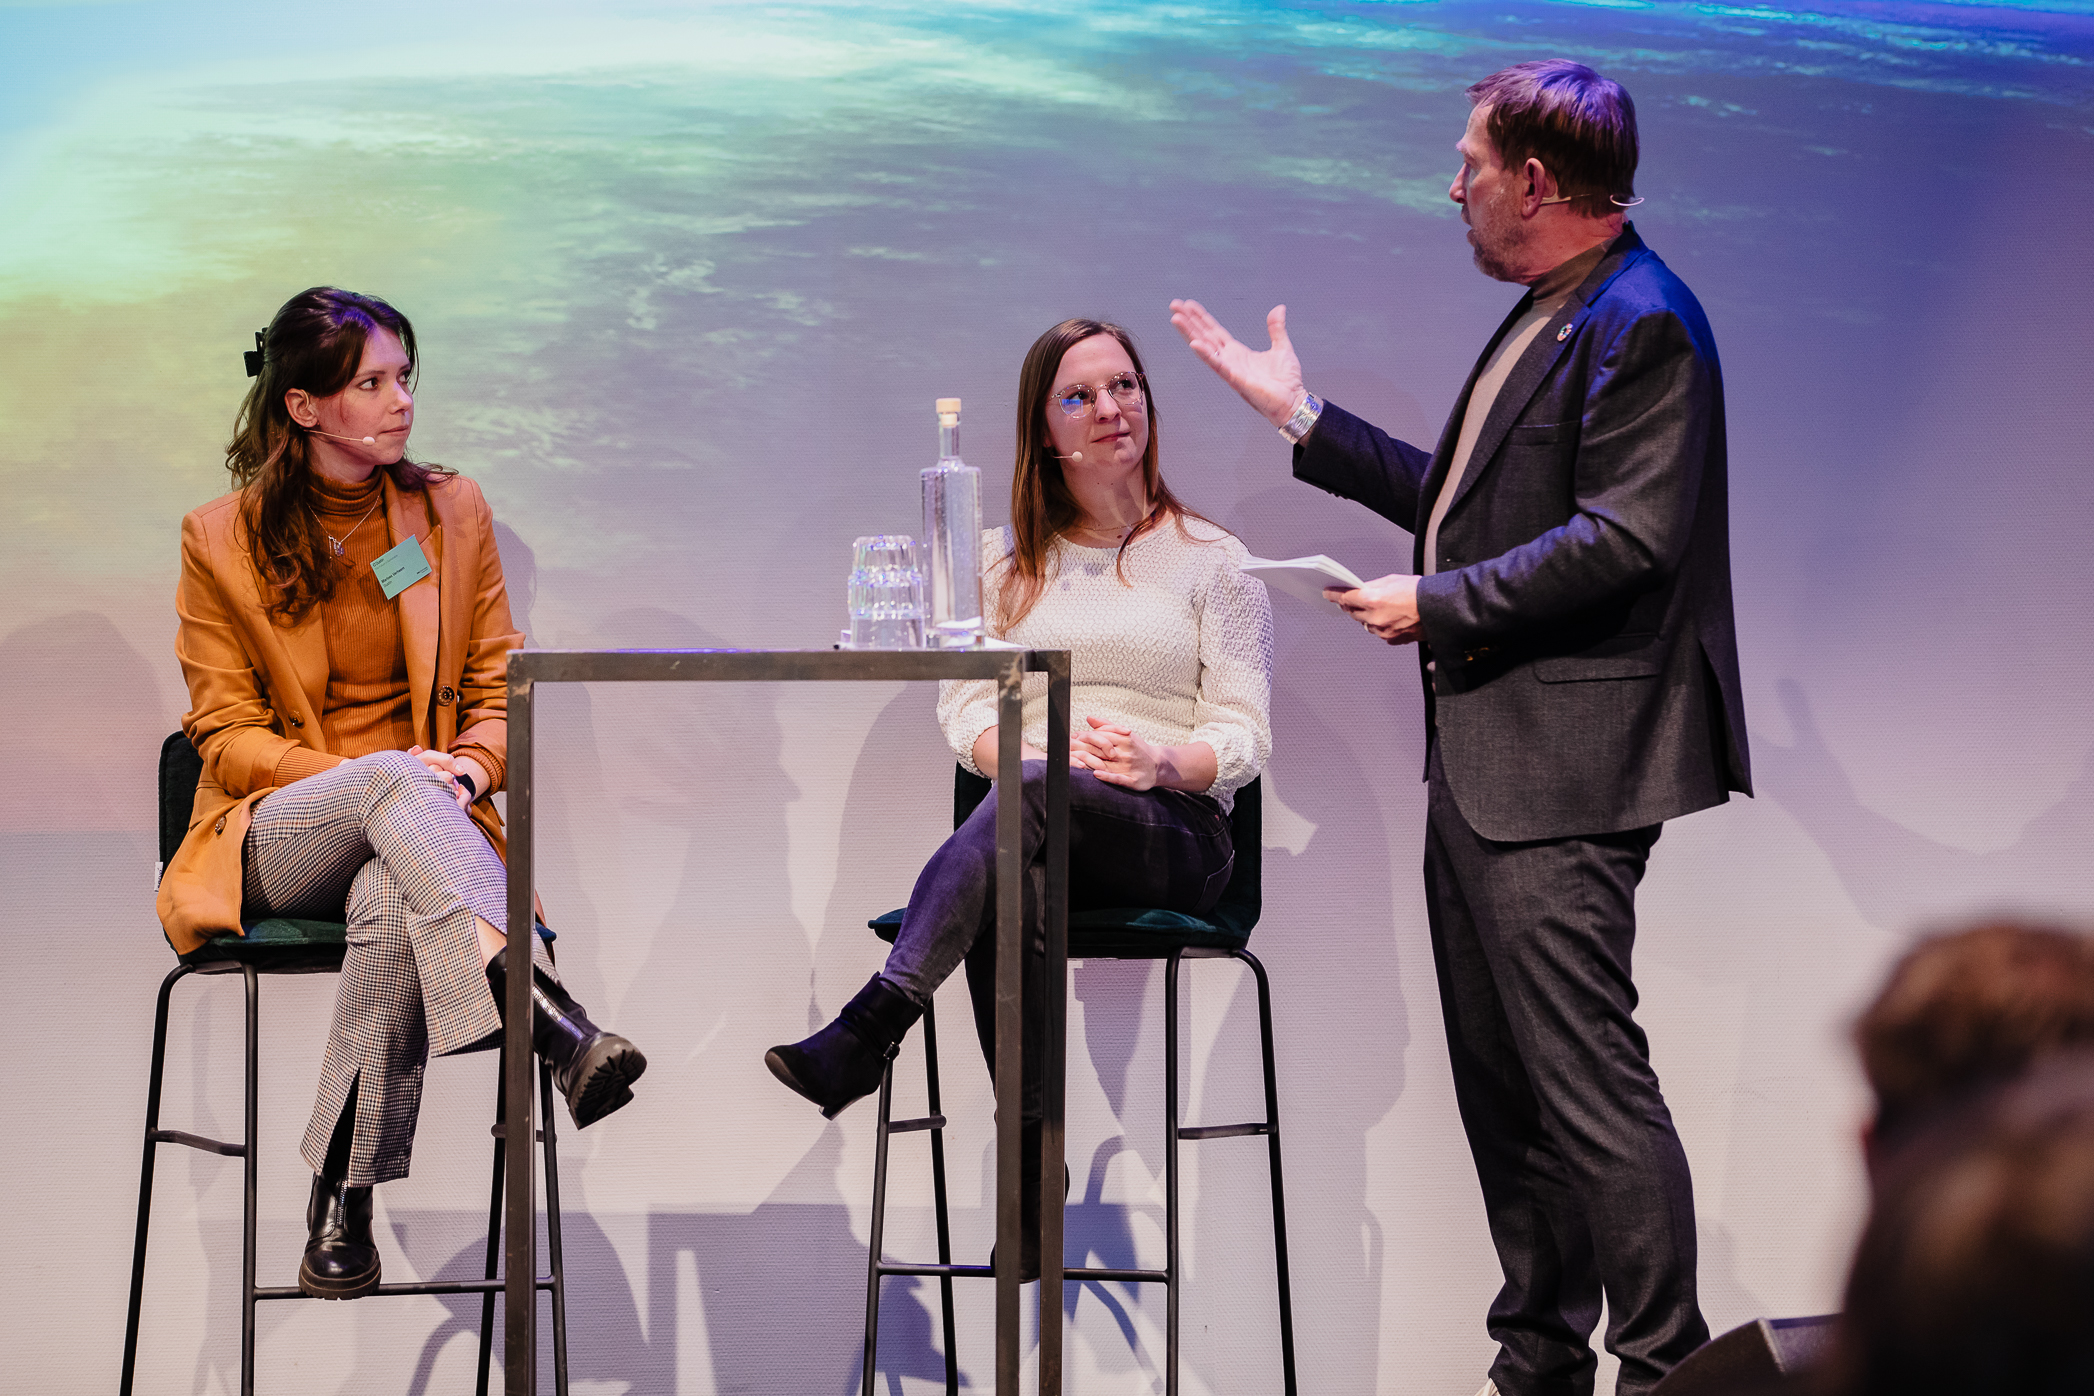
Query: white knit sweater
1181	651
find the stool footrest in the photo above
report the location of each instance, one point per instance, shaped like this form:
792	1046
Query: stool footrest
196	1141
499	1131
911	1126
1136	1277
900	1267
1094	1273
423	1287
1222	1131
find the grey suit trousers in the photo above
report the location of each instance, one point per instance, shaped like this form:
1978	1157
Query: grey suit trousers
380	842
1584	1181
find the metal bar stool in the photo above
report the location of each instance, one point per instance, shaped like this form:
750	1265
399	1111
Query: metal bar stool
1126	933
287	946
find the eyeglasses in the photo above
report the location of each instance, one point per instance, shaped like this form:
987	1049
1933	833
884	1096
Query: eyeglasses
1080	399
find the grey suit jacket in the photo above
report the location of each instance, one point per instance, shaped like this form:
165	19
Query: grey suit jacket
1584	656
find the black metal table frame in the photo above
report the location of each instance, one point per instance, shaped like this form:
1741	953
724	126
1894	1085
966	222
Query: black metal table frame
1007	668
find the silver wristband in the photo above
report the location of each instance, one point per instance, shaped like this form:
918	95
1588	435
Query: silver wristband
1304	419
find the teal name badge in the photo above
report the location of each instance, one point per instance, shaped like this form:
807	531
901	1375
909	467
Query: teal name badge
401	568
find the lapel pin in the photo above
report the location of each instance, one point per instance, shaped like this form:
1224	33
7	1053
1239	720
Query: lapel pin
1563	334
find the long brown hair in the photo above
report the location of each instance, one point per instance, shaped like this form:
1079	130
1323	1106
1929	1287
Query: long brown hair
315	343
1042	508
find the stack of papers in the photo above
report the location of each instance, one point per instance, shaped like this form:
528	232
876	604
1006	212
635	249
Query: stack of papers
1305	577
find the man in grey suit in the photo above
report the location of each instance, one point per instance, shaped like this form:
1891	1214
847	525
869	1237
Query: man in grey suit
1571	604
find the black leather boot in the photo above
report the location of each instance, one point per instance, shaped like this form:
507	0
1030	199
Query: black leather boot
1029	1192
1029	1203
341	1259
845	1061
594	1069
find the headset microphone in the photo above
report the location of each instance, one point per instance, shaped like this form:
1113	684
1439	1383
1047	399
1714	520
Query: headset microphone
1073	455
364	440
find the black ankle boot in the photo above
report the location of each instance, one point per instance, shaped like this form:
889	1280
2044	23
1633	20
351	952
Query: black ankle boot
341	1259
845	1061
594	1069
1029	1203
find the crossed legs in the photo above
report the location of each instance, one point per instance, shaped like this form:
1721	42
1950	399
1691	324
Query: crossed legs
382	837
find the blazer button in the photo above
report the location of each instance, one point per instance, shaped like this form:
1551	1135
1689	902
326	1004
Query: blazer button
221	827
447	695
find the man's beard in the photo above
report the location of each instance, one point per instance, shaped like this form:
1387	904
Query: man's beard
1497	256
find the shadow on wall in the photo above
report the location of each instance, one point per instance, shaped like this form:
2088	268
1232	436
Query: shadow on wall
63	680
714	1284
713	1288
896	812
1340	1014
745	1266
678	787
602	1317
1348	743
1901	880
662	826
519	575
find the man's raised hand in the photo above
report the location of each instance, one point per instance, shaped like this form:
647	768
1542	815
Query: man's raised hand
1269	381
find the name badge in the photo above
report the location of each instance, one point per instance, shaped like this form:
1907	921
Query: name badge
400	568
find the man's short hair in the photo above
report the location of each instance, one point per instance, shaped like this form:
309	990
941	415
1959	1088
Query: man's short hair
1975	1274
1967	1010
1581	126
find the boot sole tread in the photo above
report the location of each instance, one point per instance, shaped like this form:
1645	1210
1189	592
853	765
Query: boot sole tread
318	1288
605	1081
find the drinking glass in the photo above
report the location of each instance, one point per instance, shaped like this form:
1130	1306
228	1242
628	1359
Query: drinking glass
885	594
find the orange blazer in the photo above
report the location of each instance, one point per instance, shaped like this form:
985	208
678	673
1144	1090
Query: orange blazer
256	688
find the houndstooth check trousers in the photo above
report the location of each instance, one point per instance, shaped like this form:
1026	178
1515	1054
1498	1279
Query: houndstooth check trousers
381	842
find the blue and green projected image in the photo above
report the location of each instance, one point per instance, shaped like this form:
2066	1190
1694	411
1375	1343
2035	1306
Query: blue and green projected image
687	278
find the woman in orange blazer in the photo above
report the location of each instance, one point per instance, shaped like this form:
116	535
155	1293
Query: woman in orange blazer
344	633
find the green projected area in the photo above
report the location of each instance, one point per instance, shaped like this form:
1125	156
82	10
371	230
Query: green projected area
622	233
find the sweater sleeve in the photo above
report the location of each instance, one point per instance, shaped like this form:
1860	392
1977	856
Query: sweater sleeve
1232	709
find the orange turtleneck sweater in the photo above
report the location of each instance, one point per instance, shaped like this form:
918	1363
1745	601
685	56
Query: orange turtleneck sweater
367	707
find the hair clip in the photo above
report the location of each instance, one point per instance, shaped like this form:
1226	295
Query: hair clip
254	356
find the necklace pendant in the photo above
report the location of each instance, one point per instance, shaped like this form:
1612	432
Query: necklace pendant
335	543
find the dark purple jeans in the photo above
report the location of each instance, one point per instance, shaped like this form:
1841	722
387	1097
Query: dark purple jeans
1149	848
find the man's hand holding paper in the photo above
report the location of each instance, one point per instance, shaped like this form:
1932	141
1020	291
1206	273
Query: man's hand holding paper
1387	606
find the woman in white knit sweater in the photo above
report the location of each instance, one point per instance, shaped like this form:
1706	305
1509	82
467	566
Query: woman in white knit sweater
1171	663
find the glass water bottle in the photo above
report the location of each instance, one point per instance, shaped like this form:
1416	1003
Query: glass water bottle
952	533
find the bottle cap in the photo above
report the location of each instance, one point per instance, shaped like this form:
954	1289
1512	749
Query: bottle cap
948	404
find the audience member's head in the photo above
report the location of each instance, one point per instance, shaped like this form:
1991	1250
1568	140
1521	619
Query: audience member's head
1966	1011
1975	1275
